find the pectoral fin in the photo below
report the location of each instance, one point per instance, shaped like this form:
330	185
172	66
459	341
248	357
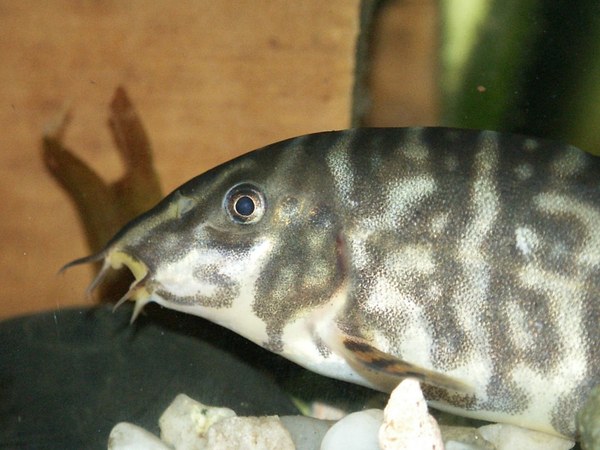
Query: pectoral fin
386	371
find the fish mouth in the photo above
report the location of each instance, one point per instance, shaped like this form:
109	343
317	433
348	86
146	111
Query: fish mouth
138	291
115	259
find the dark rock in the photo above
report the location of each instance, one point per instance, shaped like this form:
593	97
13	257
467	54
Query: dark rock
68	376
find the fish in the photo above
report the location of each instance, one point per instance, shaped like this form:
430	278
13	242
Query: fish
467	259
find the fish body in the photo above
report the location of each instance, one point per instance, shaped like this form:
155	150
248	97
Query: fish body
469	260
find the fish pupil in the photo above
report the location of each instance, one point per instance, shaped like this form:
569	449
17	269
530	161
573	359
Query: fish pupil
244	206
244	203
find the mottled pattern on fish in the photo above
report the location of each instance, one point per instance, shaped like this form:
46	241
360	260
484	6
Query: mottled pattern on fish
473	255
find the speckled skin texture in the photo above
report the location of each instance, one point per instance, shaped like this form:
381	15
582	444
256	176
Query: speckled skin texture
475	255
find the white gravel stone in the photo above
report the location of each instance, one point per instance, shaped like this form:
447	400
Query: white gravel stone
407	422
510	437
185	422
307	432
127	436
249	433
356	431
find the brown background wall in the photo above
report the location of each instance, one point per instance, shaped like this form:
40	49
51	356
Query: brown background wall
209	79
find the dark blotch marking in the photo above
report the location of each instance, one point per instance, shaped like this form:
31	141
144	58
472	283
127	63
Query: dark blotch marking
356	346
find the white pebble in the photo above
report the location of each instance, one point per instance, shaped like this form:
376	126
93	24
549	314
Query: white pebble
185	422
127	436
356	431
307	432
510	437
249	433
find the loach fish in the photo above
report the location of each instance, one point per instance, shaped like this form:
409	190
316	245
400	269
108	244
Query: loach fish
469	260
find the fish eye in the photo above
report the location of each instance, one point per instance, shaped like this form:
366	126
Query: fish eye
244	203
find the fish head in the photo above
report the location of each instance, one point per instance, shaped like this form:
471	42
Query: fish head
246	245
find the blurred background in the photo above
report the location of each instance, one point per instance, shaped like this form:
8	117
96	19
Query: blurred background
212	80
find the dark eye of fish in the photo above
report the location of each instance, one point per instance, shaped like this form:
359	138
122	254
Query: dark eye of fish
244	206
244	203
